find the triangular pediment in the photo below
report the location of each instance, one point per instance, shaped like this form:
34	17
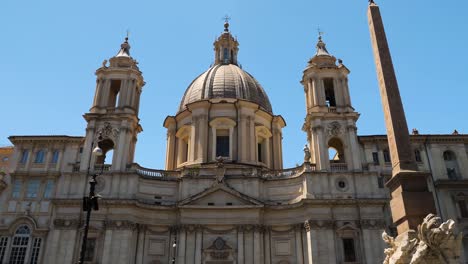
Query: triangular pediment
220	195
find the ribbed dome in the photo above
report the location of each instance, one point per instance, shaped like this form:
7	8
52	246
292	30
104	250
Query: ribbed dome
226	81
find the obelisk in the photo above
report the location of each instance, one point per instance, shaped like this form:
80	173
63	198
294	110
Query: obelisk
411	200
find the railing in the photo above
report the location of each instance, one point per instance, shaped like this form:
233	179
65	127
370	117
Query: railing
156	173
97	167
335	167
288	172
331	109
102	167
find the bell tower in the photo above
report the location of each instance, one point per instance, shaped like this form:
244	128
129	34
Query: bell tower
330	121
113	122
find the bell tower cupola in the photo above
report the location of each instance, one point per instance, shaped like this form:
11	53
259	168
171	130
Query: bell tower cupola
330	121
113	122
226	47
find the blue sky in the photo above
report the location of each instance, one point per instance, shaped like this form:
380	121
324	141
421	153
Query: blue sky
50	50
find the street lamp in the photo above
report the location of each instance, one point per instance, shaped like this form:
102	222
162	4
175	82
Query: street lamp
174	250
90	202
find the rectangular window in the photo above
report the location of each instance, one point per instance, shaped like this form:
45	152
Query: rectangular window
40	156
452	174
24	156
36	249
16	192
55	156
463	209
33	188
90	249
259	152
3	247
386	156
49	188
349	250
417	156
381	182
222	143
375	158
18	249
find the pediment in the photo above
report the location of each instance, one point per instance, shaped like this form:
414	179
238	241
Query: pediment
220	195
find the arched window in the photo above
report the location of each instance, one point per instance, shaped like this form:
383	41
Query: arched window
114	92
330	99
107	147
40	155
23	248
20	244
183	143
451	165
226	55
336	151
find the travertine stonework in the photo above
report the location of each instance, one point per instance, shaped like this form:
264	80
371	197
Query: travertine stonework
224	196
434	242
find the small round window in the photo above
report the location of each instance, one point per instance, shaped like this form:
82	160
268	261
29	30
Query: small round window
342	184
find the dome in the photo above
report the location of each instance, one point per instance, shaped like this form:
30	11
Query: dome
226	81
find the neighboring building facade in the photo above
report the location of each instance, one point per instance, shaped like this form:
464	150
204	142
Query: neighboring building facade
5	156
224	196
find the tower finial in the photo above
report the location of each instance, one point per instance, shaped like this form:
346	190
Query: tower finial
124	47
371	2
226	23
320	33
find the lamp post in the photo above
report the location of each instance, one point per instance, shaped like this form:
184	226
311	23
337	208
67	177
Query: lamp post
174	250
90	202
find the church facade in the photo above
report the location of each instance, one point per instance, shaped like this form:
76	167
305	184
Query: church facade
224	196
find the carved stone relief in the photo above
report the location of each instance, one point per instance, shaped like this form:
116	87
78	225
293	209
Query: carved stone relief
334	129
108	132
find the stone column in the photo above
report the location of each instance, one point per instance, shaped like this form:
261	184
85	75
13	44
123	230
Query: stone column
123	93
258	256
140	244
104	93
242	130
213	149
299	251
118	161
253	138
203	128
170	149
411	200
231	143
193	140
181	246
308	243
339	96
267	247
97	95
320	148
268	152
355	157
240	245
86	155
314	92
198	245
